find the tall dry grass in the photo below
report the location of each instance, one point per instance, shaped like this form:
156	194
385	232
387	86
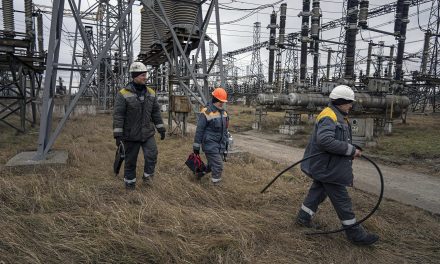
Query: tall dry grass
82	214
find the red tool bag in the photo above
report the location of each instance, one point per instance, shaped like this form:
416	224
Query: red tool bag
196	164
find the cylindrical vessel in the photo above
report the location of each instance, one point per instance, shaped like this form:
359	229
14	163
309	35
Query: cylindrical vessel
272	99
185	14
147	30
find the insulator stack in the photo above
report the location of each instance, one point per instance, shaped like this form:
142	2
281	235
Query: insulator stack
304	39
272	46
185	13
160	27
316	15
40	33
168	6
8	18
28	18
147	30
363	13
350	38
398	20
282	24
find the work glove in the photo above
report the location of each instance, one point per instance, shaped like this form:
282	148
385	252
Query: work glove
196	151
162	135
225	155
161	132
358	147
118	141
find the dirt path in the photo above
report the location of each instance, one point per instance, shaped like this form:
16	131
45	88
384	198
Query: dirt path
405	186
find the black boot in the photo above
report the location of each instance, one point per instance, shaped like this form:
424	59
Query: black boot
358	236
305	220
130	186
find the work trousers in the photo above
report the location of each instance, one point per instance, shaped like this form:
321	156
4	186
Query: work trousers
339	198
215	162
149	149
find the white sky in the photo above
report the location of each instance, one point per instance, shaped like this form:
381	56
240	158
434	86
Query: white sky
239	34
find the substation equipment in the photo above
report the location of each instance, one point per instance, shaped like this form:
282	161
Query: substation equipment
380	97
22	63
172	39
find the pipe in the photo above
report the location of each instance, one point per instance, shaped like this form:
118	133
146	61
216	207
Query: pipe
363	100
272	99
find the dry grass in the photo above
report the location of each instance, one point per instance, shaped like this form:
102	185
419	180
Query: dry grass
82	213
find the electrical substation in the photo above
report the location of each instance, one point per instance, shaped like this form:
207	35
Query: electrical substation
180	42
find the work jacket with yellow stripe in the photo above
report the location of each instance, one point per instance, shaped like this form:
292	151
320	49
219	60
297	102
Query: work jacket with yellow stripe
332	135
212	130
136	113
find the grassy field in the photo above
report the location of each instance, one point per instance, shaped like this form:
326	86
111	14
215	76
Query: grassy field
81	213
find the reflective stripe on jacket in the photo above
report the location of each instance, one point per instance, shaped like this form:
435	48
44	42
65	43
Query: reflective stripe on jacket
332	135
136	113
212	130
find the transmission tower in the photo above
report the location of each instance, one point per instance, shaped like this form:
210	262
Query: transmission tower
340	54
256	77
426	94
291	70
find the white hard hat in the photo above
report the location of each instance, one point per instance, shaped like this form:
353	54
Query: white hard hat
138	66
342	92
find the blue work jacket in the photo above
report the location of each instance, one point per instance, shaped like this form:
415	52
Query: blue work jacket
212	130
331	135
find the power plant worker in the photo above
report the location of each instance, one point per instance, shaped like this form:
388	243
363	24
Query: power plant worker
135	118
212	133
332	171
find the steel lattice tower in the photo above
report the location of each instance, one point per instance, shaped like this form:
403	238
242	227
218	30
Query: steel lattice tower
291	71
112	77
429	70
256	72
340	54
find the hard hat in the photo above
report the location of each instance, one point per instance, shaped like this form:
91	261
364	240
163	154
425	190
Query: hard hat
342	92
220	94
138	66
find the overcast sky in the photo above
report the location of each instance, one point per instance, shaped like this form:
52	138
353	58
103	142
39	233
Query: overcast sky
239	34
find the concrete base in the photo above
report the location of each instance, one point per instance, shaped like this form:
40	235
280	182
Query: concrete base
290	130
25	159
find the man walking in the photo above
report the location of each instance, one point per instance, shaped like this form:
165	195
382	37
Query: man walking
136	115
212	133
332	171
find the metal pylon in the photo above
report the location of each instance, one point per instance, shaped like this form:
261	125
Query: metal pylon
256	77
46	136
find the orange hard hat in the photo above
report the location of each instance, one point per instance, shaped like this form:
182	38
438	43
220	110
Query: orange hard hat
220	94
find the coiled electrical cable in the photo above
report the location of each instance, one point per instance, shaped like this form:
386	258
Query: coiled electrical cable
379	200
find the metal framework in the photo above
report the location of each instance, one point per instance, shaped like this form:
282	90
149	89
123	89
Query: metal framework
181	47
256	77
21	67
101	60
